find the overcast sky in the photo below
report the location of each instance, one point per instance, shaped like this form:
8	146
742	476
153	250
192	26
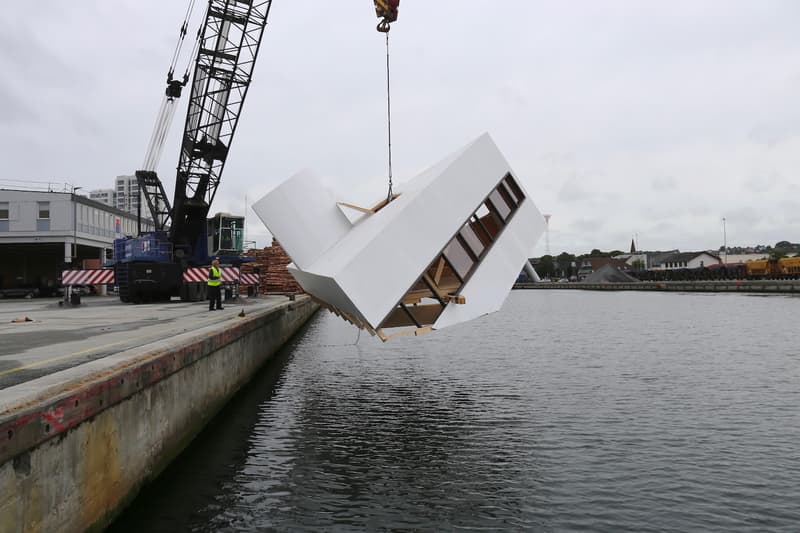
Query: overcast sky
654	119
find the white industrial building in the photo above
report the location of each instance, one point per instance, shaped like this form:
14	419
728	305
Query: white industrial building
43	232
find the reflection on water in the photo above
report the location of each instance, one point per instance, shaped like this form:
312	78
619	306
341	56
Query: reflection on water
567	410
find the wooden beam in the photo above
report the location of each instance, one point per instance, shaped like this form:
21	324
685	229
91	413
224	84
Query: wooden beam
356	207
368	210
424	315
383	203
435	286
439	270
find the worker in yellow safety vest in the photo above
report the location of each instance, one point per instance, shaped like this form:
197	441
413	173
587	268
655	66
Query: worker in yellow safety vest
214	289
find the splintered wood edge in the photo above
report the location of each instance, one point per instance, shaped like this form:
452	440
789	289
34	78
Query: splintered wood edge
411	331
346	316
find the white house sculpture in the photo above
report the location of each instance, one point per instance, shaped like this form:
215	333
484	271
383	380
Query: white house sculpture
446	249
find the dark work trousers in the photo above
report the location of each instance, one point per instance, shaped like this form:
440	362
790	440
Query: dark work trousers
214	295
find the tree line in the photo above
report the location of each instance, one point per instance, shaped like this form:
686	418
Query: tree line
565	265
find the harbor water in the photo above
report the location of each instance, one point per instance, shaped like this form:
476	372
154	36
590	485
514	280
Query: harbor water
566	411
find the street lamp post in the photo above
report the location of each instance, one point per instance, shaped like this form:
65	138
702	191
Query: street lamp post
725	239
74	227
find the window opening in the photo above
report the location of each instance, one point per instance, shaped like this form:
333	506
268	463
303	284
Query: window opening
514	188
476	245
44	210
507	196
447	274
459	258
500	206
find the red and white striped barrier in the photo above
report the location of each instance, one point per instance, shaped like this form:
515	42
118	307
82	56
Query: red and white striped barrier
192	275
249	279
229	275
87	277
195	275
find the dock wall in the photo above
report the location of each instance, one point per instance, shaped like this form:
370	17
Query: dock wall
754	286
79	444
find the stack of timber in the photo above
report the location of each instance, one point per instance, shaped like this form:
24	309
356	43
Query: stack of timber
271	263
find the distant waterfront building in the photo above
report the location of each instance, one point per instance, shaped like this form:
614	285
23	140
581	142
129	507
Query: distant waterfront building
654	260
104	196
641	260
127	194
689	260
744	258
588	265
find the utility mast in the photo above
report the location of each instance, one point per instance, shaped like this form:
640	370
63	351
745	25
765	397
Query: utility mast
547	234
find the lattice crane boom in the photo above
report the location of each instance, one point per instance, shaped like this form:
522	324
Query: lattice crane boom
227	46
229	43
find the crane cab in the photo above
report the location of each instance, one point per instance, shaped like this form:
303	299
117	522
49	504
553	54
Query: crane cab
225	235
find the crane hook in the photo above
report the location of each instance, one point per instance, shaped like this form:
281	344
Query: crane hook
386	10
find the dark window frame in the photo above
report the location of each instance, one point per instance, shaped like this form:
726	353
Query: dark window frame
39	210
512	195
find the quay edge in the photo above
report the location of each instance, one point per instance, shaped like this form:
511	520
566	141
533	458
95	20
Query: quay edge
77	446
744	286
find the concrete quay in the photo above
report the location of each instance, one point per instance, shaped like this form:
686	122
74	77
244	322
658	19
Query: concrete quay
96	400
745	286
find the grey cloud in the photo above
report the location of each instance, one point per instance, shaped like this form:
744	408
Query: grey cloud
81	123
573	191
698	210
586	225
512	96
743	217
771	135
759	184
558	159
14	109
30	60
664	183
662	226
791	215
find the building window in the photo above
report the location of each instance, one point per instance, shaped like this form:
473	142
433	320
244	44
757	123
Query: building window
3	210
444	278
44	210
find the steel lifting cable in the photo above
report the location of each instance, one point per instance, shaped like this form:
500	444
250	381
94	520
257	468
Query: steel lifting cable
189	63
389	117
176	54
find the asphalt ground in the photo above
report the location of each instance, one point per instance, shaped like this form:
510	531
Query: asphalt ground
63	336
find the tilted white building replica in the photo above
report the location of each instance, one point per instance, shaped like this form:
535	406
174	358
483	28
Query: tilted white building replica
447	249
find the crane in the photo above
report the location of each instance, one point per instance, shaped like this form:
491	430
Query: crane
151	265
